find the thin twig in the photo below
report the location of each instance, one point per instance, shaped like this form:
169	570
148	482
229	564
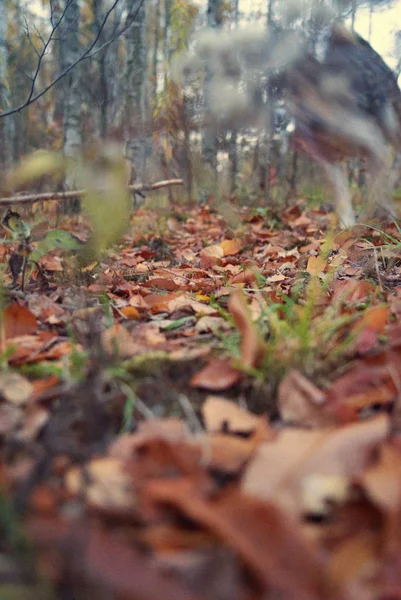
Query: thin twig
88	53
31	198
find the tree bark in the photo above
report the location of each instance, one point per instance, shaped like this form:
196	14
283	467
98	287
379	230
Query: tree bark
7	125
72	95
135	87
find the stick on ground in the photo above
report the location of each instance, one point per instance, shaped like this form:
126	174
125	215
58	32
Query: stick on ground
30	198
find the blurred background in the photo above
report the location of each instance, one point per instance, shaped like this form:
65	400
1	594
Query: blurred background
77	73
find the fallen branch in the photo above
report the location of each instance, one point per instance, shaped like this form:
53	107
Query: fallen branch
30	198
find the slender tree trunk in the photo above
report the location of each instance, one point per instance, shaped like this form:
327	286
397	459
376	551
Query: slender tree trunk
155	58
354	7
209	142
265	147
19	145
6	124
72	95
104	95
233	144
135	87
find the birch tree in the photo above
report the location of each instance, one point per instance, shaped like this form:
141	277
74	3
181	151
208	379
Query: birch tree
69	50
6	127
135	85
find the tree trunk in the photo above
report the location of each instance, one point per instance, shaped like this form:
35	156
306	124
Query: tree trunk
155	58
354	6
6	124
72	97
135	87
102	60
233	145
265	148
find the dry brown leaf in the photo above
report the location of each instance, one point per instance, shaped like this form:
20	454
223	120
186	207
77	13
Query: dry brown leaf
117	339
209	323
161	283
230	247
268	541
300	401
375	318
104	483
316	265
130	312
186	301
252	346
18	320
15	389
382	481
280	467
220	414
218	375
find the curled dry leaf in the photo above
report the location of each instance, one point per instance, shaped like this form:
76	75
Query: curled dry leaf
18	320
117	339
220	414
208	323
15	389
300	401
280	467
252	346
268	541
104	483
218	375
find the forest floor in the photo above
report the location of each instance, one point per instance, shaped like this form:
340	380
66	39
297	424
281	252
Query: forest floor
211	411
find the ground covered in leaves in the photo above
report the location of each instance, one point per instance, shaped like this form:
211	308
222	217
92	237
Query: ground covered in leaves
211	411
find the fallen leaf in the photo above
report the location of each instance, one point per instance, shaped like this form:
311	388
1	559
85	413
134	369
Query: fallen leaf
280	467
161	283
104	483
252	346
267	540
18	320
130	312
375	318
218	375
15	388
316	265
220	414
117	339
230	247
300	402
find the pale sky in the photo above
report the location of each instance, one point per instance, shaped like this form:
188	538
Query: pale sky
385	24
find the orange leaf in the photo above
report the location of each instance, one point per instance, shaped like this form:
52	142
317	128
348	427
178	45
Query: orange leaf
18	320
230	247
217	375
130	312
375	318
252	347
316	265
161	283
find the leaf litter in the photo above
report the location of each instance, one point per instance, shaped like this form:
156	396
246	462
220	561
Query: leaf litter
122	476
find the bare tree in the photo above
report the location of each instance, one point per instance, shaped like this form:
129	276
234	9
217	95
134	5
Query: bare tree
6	131
135	84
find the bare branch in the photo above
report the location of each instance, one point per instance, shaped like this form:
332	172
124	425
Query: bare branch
31	198
89	53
